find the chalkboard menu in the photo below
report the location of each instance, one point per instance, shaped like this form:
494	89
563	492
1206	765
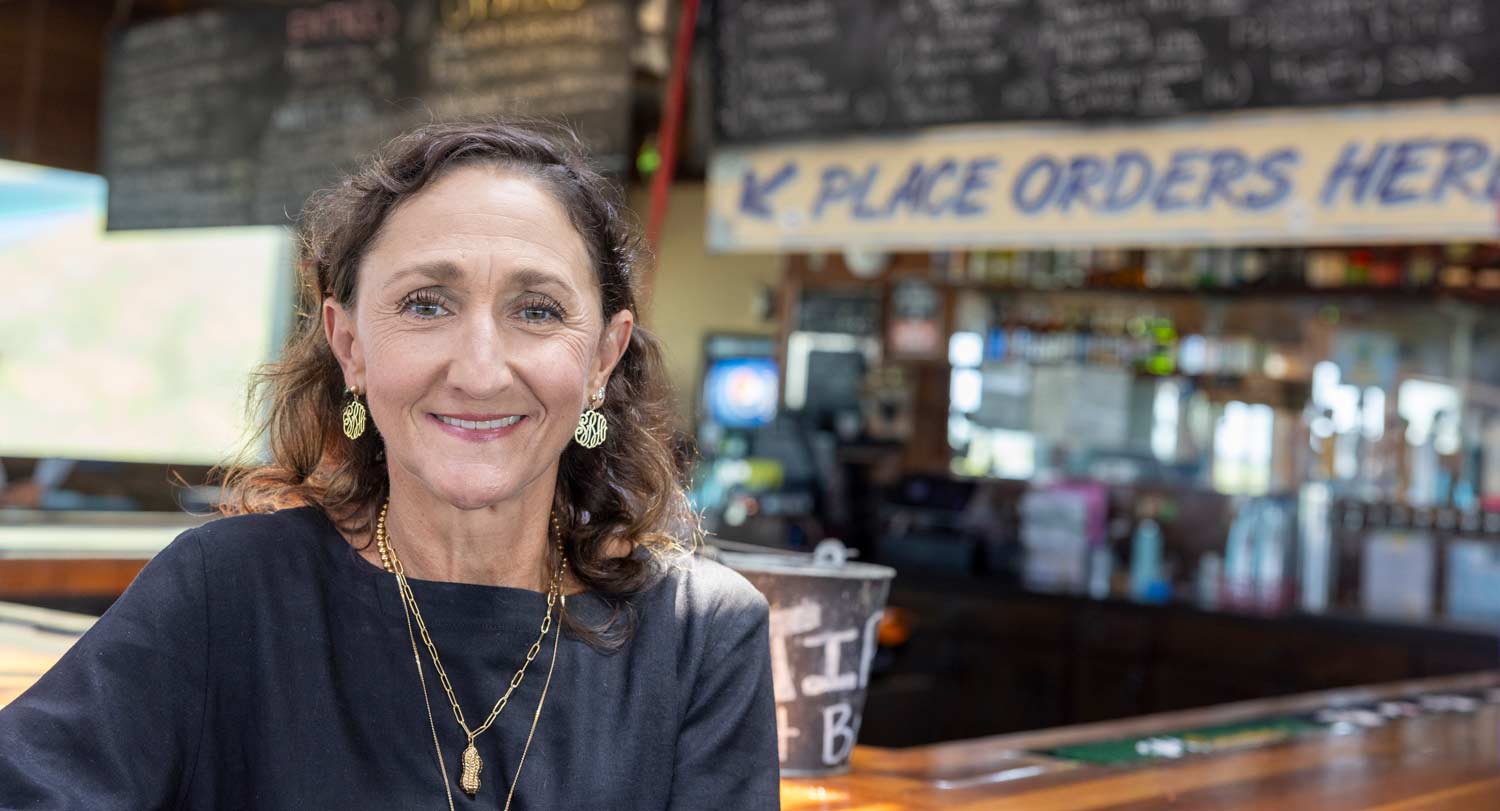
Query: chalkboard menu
233	116
804	68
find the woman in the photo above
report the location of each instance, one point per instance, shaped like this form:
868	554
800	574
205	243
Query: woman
460	580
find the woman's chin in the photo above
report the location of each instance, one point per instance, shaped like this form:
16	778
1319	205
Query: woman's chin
467	486
470	499
464	492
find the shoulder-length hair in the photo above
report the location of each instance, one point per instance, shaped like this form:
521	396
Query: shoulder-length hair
628	489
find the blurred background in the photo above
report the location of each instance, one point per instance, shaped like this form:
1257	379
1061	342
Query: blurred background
1153	344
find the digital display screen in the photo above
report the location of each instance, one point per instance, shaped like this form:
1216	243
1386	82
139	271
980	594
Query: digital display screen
741	392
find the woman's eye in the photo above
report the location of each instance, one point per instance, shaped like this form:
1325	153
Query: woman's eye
424	307
540	312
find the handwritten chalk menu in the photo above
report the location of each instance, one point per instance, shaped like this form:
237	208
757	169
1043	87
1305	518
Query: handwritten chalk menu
235	116
183	117
801	68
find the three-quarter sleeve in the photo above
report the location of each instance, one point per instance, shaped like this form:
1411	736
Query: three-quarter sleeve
116	722
726	750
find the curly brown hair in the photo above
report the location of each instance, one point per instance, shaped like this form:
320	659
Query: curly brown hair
628	489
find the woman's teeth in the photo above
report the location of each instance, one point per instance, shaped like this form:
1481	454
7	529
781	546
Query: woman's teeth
480	426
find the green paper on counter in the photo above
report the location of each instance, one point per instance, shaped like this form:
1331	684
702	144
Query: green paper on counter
1200	741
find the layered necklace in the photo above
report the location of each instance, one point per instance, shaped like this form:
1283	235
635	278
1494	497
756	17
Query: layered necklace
470	760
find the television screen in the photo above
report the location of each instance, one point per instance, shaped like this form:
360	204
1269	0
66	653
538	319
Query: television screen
741	392
129	346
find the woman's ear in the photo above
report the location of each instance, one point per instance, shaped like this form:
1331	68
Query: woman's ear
338	326
612	346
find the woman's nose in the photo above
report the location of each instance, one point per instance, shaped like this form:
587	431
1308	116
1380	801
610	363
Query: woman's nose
480	365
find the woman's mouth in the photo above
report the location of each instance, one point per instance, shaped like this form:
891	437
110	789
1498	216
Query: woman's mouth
477	427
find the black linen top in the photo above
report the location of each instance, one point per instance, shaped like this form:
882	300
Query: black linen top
260	662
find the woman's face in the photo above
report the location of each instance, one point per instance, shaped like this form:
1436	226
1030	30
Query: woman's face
478	336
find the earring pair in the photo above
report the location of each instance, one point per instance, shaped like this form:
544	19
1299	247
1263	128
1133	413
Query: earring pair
592	429
591	432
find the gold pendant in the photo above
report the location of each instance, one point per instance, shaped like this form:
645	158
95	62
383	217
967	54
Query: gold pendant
469	780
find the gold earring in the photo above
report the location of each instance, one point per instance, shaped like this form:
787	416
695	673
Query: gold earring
592	429
354	415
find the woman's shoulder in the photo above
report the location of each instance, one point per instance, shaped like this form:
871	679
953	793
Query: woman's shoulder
703	615
705	591
257	539
257	527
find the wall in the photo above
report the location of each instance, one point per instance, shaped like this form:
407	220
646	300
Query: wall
695	293
51	62
52	56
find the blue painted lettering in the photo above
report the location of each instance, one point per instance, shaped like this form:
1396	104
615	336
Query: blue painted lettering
910	193
945	170
1406	160
1045	167
1084	173
1461	158
1355	171
837	183
1179	173
1225	168
1273	168
1115	196
754	195
862	187
968	202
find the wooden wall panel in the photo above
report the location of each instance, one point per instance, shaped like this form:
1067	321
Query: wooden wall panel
52	75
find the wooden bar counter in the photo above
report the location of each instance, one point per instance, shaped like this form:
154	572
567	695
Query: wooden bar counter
1440	761
79	561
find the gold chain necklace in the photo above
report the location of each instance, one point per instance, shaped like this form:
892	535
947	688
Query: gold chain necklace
471	763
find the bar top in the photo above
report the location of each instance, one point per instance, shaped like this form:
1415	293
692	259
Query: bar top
1443	761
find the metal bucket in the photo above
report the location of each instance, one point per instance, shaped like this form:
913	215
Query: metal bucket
825	612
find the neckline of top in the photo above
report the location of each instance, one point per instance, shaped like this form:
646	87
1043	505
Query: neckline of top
445	602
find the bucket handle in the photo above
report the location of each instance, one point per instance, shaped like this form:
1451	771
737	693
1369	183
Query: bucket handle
832	552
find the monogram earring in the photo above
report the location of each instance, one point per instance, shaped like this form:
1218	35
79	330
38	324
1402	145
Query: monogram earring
592	428
354	415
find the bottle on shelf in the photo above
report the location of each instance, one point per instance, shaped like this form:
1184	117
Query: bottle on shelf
1421	269
1146	581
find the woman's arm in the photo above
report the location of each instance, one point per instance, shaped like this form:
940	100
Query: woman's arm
726	750
116	722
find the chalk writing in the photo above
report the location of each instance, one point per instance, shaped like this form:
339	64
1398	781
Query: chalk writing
833	677
790	68
809	661
259	105
785	732
840	727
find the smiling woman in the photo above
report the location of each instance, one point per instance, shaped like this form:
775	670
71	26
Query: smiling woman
512	496
466	269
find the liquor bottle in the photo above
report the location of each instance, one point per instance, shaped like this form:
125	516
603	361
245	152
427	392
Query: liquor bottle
1326	268
1457	273
1145	561
1385	268
1357	272
1421	268
1251	269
